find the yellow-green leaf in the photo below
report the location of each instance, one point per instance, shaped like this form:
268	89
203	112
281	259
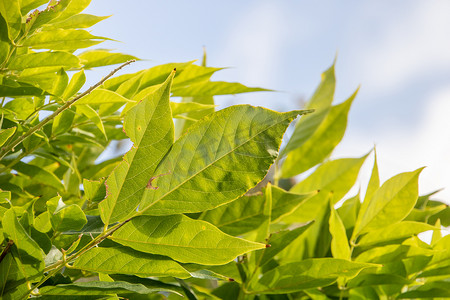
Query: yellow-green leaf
183	239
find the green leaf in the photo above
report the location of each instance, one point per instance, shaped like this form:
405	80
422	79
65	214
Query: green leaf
102	96
321	143
391	203
73	8
63	122
99	58
37	18
306	274
65	217
29	256
246	213
5	134
128	182
76	21
183	239
24	90
192	74
62	39
430	290
377	279
12	281
212	88
80	289
339	242
123	260
44	59
76	83
280	240
39	175
27	5
60	84
336	176
10	10
348	212
42	222
217	160
94	191
321	103
92	115
394	232
4	40
179	108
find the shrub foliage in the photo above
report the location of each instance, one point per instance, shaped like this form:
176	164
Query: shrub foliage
191	209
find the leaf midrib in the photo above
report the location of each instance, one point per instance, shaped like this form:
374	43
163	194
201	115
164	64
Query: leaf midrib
212	163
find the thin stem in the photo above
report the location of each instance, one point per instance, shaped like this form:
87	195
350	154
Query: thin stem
6	249
66	105
56	267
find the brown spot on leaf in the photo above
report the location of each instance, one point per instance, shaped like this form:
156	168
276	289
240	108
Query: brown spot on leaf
149	184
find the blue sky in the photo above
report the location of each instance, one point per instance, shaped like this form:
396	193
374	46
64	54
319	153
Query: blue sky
397	51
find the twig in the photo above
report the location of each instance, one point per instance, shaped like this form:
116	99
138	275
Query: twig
66	105
5	251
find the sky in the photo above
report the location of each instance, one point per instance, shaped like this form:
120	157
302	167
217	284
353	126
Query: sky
397	52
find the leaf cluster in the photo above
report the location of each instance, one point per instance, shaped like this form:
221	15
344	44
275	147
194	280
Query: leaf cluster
205	204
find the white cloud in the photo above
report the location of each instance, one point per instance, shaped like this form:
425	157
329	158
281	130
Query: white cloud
399	47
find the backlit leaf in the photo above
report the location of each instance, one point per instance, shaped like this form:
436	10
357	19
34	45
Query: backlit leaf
65	217
10	10
246	213
217	160
149	125
62	39
339	243
391	203
76	21
76	83
102	96
30	257
99	58
394	232
306	274
44	59
212	88
5	134
183	239
321	143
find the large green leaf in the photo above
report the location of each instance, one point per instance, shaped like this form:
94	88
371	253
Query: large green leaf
73	8
44	59
149	125
394	232
99	58
29	256
212	88
321	143
246	213
123	260
391	203
183	239
306	274
10	10
24	90
217	160
62	39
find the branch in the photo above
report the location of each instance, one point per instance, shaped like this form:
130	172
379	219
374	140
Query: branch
6	249
66	105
